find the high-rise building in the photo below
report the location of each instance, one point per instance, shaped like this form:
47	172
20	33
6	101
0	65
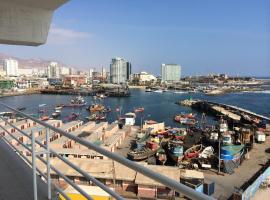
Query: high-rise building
11	67
72	71
128	70
91	72
103	72
64	71
53	70
170	72
120	70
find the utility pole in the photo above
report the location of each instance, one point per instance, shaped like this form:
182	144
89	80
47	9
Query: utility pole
114	175
219	156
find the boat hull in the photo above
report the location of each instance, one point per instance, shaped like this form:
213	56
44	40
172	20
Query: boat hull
231	152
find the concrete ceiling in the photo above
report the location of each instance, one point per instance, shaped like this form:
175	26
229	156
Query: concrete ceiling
26	22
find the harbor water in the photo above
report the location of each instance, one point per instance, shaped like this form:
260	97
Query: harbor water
158	106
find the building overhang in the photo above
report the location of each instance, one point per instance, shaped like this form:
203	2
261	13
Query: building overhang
26	22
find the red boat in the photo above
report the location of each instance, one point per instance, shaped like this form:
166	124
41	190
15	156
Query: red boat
44	118
177	118
186	119
141	109
193	152
161	132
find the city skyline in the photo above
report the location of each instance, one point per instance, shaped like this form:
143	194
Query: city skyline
207	37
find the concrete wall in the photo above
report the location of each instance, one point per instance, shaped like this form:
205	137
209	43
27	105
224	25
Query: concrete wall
252	189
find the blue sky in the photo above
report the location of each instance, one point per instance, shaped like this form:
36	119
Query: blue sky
202	36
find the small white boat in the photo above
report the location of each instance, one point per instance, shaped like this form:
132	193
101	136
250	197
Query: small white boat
158	91
56	114
179	92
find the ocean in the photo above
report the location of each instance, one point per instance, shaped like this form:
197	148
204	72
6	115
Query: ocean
160	107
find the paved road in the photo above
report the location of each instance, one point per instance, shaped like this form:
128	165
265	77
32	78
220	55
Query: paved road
225	184
16	177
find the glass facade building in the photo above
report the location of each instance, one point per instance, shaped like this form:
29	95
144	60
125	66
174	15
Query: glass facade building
170	72
120	70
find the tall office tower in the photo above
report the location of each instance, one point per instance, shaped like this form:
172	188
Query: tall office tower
11	67
90	72
120	70
170	72
53	70
103	72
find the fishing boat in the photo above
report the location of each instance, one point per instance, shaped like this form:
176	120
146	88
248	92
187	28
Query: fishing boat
188	115
158	91
193	152
140	109
141	154
41	108
211	139
58	107
161	156
142	137
101	96
95	108
161	132
92	117
56	114
231	152
176	152
185	120
44	118
148	90
223	126
177	133
76	102
129	119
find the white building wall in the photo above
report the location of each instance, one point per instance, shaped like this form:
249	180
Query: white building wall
25	72
145	77
170	72
64	71
11	67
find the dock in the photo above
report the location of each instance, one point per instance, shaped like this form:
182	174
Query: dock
233	113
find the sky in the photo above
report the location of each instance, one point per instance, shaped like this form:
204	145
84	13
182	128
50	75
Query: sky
203	36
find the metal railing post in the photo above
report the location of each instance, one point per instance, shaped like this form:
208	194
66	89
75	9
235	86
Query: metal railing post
34	165
48	163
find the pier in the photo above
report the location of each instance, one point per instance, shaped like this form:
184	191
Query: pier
231	113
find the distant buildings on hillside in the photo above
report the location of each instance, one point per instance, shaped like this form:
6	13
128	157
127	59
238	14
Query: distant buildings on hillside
119	73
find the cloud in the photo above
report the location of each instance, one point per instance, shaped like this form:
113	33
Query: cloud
63	36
